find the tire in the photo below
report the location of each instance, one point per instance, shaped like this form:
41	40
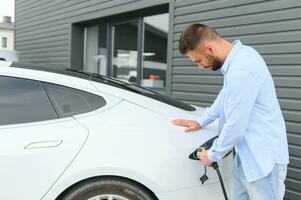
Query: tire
108	189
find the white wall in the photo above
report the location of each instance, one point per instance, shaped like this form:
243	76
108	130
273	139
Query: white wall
9	34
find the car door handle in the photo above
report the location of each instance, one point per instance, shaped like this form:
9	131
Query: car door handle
44	144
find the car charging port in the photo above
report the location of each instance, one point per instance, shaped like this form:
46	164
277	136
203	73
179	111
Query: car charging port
204	178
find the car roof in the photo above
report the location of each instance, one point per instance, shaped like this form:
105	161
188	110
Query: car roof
52	69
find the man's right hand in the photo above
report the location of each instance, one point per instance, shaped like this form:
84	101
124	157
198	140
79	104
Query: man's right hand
191	125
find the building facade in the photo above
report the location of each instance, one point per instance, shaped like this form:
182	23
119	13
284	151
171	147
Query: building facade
137	40
7	30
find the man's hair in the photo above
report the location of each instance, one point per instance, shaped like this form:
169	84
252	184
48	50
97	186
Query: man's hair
195	34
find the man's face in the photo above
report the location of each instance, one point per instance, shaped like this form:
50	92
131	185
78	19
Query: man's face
204	60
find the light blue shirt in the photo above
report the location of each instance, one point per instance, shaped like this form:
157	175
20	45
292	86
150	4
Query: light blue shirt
250	117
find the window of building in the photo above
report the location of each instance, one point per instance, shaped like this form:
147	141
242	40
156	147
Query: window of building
23	101
68	101
125	51
155	51
95	49
4	42
128	47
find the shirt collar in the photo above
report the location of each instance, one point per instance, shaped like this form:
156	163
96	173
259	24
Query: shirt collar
233	52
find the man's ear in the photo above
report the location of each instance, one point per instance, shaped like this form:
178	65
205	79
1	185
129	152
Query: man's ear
209	48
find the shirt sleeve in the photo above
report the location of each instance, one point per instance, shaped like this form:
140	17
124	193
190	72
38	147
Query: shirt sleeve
239	99
212	112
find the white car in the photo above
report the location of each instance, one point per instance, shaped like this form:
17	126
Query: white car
9	55
71	135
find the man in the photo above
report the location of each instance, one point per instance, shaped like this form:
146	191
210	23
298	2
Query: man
250	119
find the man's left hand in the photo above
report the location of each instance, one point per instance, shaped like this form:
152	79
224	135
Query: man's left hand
203	156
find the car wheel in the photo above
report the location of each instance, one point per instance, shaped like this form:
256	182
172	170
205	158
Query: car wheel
108	189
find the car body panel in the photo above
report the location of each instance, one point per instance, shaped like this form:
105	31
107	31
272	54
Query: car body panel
107	151
34	155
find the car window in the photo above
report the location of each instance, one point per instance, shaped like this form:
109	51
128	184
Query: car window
68	101
22	101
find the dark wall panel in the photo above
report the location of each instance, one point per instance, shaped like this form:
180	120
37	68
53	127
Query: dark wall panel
271	27
43	27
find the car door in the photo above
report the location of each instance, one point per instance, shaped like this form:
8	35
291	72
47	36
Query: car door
36	146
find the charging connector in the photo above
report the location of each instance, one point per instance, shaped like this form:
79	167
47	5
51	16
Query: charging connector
195	156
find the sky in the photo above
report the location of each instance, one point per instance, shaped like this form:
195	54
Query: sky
7	8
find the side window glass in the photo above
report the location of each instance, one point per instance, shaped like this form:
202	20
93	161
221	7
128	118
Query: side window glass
68	101
22	101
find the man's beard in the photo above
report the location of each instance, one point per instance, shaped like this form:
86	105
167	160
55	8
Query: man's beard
215	63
